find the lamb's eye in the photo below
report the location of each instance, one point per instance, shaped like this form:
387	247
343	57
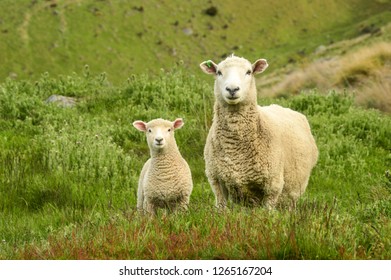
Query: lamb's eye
169	130
219	73
248	72
149	130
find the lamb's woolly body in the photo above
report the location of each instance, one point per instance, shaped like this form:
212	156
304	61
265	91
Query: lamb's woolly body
255	154
165	180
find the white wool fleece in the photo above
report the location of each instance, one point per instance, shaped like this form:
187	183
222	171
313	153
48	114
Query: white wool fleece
165	180
254	155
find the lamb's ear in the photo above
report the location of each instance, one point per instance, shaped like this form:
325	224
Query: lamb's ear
209	67
259	66
140	125
178	123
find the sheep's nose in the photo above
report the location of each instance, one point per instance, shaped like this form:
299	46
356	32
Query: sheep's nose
159	140
232	91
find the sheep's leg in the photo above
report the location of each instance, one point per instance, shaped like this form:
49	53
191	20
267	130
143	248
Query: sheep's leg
182	205
221	193
150	208
271	200
274	192
295	194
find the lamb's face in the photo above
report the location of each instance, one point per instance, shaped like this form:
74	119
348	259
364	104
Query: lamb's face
234	77
159	135
159	132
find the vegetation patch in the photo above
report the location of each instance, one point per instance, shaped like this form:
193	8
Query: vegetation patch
364	71
70	177
122	37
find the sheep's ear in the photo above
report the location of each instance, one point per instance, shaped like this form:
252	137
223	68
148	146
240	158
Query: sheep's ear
178	123
140	125
259	66
209	67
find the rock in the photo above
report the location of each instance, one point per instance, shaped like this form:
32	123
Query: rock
320	49
138	9
370	29
211	11
13	75
188	31
62	101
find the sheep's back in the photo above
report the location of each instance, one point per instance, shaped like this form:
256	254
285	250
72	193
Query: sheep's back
293	133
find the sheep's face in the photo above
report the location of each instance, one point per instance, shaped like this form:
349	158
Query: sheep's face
159	132
233	81
234	77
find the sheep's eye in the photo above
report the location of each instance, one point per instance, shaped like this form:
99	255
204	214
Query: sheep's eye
169	130
149	130
219	73
248	72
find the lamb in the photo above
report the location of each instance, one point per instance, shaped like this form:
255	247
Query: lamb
165	180
254	155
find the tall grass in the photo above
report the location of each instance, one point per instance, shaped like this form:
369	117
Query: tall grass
68	177
364	71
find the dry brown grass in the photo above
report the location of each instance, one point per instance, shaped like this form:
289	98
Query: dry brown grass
376	93
367	62
365	71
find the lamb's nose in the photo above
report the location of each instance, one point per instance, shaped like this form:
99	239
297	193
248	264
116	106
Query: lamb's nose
232	91
159	140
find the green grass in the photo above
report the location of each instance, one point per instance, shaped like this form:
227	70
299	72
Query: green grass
120	38
68	177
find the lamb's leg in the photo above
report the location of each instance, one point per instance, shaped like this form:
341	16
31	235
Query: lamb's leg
140	189
140	198
221	193
292	206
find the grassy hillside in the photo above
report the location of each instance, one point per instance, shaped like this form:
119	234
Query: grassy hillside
68	177
361	65
125	37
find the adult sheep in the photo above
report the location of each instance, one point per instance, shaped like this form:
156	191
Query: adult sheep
254	155
165	180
